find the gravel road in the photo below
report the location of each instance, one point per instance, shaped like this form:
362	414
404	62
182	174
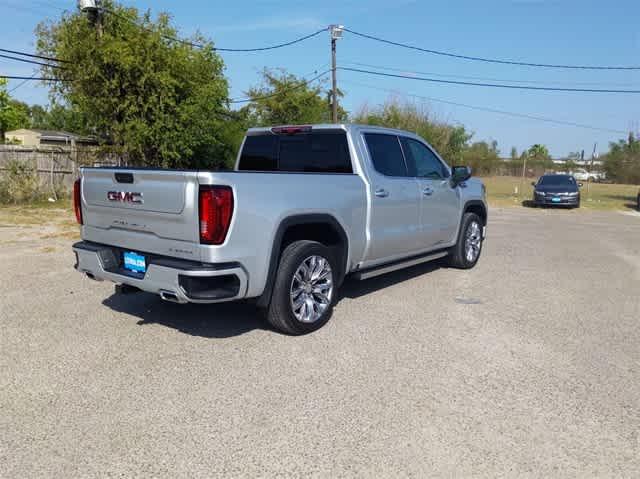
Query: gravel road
526	366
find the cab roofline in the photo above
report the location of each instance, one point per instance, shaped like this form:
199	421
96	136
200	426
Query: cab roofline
348	127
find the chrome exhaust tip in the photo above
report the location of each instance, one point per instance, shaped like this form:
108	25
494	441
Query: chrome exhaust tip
169	296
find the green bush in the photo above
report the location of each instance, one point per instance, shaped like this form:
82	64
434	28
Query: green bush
448	140
18	183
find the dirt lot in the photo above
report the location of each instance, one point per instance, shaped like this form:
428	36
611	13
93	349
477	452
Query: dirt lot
528	365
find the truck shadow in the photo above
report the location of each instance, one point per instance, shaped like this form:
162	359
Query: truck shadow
355	289
222	320
226	320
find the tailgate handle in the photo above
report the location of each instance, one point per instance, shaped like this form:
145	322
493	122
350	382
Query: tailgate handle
124	177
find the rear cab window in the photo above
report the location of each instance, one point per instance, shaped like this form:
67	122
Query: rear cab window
321	151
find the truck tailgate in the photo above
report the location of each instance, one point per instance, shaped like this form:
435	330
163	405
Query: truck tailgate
140	207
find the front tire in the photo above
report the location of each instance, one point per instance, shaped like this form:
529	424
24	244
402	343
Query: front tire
305	289
466	252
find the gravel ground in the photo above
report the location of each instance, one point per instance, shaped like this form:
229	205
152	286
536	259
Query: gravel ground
526	366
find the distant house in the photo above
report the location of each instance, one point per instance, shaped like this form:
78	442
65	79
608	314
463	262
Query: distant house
46	138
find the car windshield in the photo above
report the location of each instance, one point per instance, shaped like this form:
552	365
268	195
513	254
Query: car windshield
557	180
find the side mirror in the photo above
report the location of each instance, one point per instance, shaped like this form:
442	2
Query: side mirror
460	174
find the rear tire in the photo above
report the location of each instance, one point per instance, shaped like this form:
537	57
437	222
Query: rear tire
305	288
466	252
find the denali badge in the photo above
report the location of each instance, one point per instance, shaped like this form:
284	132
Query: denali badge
125	196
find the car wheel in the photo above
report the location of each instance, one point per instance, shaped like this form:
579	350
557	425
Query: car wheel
305	288
466	252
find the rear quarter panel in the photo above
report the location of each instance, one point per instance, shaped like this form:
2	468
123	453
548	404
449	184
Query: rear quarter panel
264	200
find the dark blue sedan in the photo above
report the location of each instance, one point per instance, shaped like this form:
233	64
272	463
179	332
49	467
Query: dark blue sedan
557	190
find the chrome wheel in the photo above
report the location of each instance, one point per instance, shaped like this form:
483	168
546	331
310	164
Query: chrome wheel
311	289
472	241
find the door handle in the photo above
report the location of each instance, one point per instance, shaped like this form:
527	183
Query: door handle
427	191
381	193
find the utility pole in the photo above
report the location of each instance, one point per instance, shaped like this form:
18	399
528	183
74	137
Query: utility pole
94	12
590	169
336	34
524	171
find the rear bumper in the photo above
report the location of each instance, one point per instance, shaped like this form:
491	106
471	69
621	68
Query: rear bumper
173	279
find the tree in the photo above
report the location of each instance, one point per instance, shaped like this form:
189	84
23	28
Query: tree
59	117
156	101
538	152
622	162
449	140
13	114
514	153
482	157
284	99
538	159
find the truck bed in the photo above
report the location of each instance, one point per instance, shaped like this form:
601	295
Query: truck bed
156	211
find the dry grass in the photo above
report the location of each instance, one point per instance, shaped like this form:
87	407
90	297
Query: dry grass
42	213
502	190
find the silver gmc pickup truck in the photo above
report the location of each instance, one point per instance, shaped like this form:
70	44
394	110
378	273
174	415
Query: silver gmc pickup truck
305	207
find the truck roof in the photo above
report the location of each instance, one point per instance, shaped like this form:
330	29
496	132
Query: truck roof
350	127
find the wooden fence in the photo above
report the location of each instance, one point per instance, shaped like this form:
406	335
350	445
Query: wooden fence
57	167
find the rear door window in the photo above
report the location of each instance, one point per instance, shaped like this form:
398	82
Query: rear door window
386	154
314	152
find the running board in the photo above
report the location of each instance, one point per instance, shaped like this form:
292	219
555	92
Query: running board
388	268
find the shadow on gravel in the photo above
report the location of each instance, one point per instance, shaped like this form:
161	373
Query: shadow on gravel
528	204
355	289
226	320
222	320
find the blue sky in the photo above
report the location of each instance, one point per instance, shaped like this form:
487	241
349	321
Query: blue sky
549	31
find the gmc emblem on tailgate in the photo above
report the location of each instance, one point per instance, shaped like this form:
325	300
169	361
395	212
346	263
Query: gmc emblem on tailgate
125	196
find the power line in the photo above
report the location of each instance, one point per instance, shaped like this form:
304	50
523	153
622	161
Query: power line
493	110
490	60
490	85
466	77
22	83
219	49
11	77
33	62
31	55
151	30
272	47
296	87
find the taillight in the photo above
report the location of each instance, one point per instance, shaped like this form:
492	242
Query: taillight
77	200
216	209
